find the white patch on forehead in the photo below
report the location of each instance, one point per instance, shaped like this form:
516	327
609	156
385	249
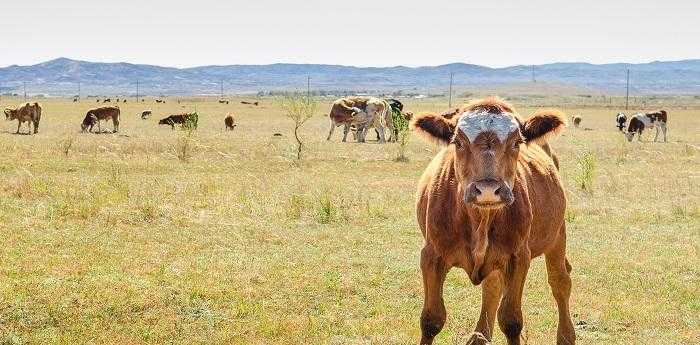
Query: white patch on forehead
474	123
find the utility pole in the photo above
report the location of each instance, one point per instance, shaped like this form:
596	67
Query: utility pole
533	74
222	89
627	98
24	86
137	91
308	86
450	98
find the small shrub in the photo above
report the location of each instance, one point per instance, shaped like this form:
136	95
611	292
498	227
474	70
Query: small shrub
298	109
401	125
326	211
66	144
585	171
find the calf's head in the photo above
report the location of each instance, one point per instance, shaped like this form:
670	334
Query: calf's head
486	139
8	114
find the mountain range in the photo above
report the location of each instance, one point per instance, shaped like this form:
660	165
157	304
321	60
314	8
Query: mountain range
65	76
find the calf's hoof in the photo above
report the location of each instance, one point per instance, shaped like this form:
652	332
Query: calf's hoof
478	339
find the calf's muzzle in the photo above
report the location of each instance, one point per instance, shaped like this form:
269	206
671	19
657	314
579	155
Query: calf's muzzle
489	193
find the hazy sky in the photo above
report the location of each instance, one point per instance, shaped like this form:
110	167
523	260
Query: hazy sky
351	32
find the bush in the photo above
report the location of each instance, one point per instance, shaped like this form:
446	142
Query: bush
585	171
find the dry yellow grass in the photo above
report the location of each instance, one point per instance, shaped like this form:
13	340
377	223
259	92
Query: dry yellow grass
151	236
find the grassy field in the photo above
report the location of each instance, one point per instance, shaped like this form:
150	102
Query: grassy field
154	236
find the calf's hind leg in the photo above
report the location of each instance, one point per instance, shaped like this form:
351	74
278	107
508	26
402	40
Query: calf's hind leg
558	275
434	314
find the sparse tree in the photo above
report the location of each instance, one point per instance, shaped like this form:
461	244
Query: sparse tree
402	129
298	109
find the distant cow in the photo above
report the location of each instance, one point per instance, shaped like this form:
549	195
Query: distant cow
94	116
146	114
639	122
107	100
75	99
29	113
224	101
490	202
181	119
124	101
621	120
160	101
363	112
250	103
576	120
229	122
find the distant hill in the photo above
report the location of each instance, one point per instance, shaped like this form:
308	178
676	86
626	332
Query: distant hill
61	77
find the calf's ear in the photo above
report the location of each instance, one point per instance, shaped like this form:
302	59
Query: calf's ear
434	128
542	125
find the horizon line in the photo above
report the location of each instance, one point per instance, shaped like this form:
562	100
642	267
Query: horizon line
353	66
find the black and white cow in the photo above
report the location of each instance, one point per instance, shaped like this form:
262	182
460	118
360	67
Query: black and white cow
639	122
621	120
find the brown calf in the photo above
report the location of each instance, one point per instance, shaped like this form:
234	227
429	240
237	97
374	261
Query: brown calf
229	122
29	113
94	116
489	203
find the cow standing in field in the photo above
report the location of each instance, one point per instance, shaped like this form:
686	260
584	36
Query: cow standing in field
489	202
222	101
95	116
576	121
146	114
250	103
363	112
160	101
229	122
640	122
181	119
108	100
621	120
29	113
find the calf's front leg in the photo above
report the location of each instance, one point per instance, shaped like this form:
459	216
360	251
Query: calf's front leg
433	317
510	314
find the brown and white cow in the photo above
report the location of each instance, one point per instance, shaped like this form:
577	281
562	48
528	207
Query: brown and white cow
29	113
489	202
640	122
94	116
362	112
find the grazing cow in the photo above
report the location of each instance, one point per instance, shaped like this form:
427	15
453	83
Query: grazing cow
222	101
98	100
639	122
75	99
363	112
107	100
576	121
124	101
160	101
94	116
250	103
621	120
118	99
146	114
489	202
182	119
229	122
29	113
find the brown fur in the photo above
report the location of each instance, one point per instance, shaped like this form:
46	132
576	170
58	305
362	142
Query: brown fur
29	113
94	116
229	122
494	244
661	116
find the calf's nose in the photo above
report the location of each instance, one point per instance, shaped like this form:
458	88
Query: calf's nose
484	191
